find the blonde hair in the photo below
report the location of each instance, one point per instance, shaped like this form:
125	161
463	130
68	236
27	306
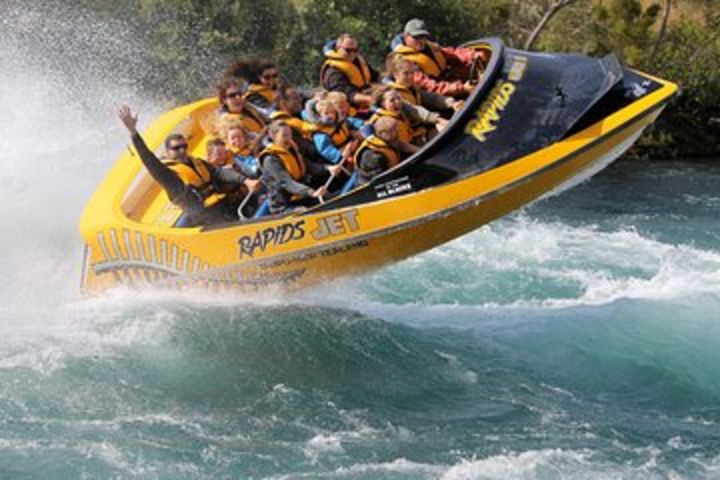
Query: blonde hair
336	97
396	62
322	105
226	125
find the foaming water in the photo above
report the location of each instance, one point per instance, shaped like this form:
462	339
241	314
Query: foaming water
576	339
59	138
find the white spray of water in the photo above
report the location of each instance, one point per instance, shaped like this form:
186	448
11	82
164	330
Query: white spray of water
58	138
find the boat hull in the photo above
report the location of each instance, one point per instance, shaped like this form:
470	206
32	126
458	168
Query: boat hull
535	125
302	251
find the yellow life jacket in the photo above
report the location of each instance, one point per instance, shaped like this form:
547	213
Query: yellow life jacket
378	145
358	72
250	120
197	174
431	60
339	133
258	89
297	124
405	131
410	95
243	152
291	159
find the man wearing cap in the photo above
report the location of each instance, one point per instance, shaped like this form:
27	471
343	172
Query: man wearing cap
443	70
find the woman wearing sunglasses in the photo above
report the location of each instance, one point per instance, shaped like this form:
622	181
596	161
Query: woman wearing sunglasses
264	82
235	108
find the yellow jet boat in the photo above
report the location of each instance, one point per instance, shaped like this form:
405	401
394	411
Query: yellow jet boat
536	122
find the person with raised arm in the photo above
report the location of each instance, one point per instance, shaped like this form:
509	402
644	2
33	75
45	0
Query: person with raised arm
190	183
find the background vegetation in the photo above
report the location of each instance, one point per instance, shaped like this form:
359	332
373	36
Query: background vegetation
188	43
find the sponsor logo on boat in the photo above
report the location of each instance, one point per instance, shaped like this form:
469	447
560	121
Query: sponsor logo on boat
490	111
393	187
517	69
336	224
279	235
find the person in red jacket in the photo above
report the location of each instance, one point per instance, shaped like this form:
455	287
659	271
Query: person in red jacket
443	70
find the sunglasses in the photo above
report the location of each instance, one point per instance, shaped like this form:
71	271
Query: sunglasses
351	50
175	148
270	76
238	93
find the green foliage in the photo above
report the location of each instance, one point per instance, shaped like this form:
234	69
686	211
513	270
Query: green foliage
189	42
626	28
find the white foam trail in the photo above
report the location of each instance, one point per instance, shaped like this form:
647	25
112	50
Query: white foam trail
582	464
589	265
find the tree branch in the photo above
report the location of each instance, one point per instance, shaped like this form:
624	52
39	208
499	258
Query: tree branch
554	8
663	27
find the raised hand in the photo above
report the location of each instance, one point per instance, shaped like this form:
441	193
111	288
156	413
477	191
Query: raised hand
128	119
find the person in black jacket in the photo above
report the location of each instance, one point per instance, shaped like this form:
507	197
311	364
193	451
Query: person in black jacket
287	175
191	183
346	70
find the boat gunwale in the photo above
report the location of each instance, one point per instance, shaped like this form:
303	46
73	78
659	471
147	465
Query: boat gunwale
655	99
463	205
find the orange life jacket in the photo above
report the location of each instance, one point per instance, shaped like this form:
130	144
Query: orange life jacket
379	145
258	89
234	152
197	174
410	95
431	60
357	72
297	124
405	131
250	120
339	133
291	160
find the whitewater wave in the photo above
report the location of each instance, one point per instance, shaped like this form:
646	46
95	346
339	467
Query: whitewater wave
522	262
540	464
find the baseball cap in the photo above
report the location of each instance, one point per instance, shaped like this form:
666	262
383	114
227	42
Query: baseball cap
416	28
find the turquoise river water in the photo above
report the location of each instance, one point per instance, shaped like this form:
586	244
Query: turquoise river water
576	339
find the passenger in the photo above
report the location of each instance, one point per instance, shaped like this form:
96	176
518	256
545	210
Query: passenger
286	174
331	135
389	103
414	120
217	154
240	150
378	152
402	73
222	159
234	107
344	109
264	83
288	109
443	70
345	70
191	183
